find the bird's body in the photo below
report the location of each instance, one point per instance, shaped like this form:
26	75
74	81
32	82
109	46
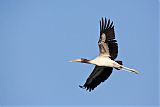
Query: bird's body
105	61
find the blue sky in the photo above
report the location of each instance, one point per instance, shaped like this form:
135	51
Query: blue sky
39	37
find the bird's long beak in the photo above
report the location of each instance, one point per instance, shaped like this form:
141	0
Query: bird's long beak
76	60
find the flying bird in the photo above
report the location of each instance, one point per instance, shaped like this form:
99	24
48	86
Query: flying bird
105	61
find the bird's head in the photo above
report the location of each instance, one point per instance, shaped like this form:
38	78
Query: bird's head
82	60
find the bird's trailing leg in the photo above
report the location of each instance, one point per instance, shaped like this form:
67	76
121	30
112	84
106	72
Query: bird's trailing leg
129	69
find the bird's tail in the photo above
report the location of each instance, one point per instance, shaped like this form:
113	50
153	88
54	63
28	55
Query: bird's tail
129	69
119	62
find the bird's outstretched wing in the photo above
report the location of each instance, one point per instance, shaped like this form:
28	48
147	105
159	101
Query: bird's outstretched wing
107	44
98	75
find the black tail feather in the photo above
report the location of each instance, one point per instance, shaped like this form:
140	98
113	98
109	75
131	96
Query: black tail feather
119	62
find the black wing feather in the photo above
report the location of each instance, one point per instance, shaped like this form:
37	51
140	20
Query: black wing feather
107	28
99	74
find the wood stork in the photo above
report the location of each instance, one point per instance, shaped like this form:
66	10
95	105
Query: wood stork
105	61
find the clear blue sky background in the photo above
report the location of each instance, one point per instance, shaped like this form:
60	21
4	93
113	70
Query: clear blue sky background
39	37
